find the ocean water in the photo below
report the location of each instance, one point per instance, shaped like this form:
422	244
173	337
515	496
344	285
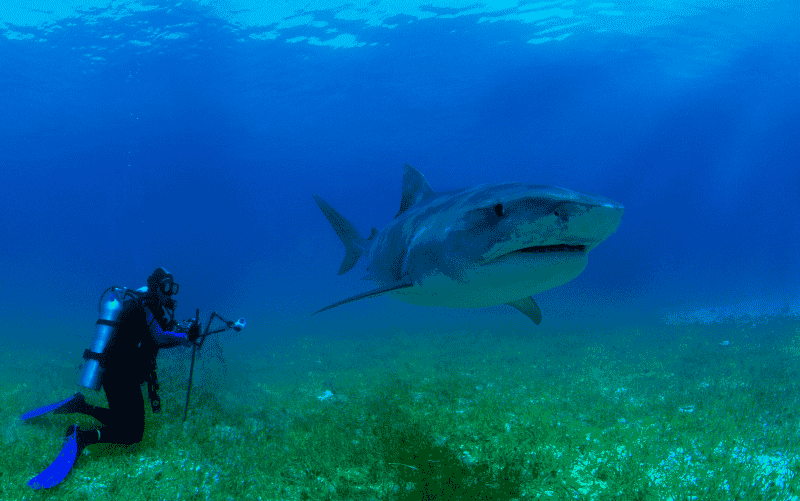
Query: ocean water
193	134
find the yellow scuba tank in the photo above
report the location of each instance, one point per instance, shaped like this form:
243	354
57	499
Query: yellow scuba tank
110	308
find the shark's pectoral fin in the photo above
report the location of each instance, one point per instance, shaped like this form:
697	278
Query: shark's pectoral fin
529	307
401	284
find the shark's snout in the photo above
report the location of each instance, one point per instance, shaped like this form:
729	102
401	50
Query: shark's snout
594	224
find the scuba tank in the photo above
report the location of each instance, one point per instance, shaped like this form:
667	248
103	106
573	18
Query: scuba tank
110	307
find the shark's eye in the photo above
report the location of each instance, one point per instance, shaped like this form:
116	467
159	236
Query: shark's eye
498	209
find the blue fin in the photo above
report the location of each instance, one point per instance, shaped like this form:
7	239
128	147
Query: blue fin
58	469
47	408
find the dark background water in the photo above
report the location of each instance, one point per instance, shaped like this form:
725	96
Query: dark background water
171	137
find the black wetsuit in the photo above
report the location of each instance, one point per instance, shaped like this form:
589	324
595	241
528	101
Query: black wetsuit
129	361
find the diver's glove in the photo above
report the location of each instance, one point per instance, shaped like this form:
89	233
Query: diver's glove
194	332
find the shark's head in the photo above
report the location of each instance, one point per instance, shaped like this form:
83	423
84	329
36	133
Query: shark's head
499	243
518	219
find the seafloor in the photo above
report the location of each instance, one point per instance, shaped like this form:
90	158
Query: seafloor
660	412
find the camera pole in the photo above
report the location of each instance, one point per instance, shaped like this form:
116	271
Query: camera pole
191	370
198	343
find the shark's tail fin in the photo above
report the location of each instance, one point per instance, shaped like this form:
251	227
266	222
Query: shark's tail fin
354	243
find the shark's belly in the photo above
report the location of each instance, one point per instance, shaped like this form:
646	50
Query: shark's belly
499	282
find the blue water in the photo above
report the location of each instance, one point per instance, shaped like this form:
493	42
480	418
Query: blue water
189	136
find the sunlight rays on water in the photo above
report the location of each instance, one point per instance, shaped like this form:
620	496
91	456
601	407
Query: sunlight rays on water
340	24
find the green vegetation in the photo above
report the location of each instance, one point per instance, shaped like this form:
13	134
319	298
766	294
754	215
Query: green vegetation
546	418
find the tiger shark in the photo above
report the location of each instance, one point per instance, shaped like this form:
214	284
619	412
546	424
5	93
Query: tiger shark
488	245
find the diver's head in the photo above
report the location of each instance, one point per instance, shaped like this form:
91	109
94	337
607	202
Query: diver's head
162	286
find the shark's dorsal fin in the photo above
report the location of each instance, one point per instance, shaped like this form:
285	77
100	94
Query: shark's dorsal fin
354	243
401	284
415	188
529	307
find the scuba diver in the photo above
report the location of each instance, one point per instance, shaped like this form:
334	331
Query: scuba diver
132	328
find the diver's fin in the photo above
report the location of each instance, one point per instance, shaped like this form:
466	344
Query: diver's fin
402	284
58	469
529	307
72	404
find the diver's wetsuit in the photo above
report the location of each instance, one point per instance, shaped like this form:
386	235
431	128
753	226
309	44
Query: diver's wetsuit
129	360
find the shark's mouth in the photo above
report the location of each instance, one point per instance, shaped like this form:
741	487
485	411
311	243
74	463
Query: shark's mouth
537	249
553	248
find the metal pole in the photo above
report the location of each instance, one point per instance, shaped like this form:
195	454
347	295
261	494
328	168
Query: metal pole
191	372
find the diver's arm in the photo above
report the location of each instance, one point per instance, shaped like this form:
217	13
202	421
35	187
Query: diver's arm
164	339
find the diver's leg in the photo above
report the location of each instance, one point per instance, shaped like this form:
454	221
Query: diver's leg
124	419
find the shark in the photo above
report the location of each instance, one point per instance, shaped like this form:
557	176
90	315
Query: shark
488	245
